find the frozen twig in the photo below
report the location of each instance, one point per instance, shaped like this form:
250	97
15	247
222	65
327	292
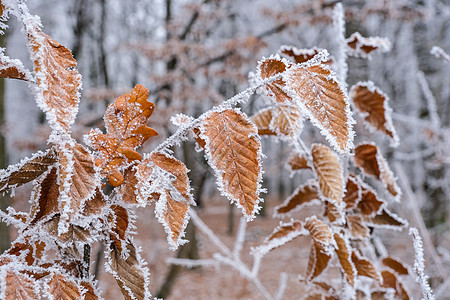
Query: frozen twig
281	286
341	61
418	220
431	101
240	237
419	266
439	52
192	263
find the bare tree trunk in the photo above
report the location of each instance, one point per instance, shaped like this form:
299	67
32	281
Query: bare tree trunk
5	236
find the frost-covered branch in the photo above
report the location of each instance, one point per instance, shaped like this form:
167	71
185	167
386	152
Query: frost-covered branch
419	266
440	53
431	101
339	25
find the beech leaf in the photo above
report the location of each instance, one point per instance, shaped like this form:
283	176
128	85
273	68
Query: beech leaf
317	262
352	192
19	286
360	46
302	196
364	267
298	161
343	252
233	150
125	121
63	288
386	219
395	265
373	104
320	96
118	223
13	68
270	67
369	159
303	55
319	231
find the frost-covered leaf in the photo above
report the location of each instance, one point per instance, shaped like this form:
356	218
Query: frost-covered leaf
95	204
395	265
302	196
281	235
360	46
46	194
63	288
33	249
118	223
174	201
317	262
343	252
125	121
329	172
369	203
374	106
73	234
270	67
13	68
320	96
319	231
356	227
371	161
88	291
130	273
364	267
58	80
390	280
283	121
298	161
386	219
335	213
27	169
303	55
18	286
352	192
234	152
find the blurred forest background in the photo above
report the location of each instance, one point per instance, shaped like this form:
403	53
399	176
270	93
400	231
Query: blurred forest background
193	54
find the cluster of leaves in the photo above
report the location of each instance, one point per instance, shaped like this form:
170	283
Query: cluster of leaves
70	210
352	208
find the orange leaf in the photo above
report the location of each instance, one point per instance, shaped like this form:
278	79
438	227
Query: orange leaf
352	192
281	235
129	273
172	209
57	78
373	104
364	267
371	161
283	121
13	68
369	203
262	121
302	196
270	67
234	152
318	261
88	292
386	219
63	288
45	197
19	286
356	227
27	169
343	252
33	249
319	231
125	121
118	223
395	265
390	280
329	172
324	101
360	46
303	55
298	161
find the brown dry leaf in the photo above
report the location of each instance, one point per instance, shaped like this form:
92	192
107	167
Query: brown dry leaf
270	67
304	194
329	173
343	252
76	167
318	261
395	265
129	273
125	121
281	235
234	152
46	197
371	161
369	203
283	121
27	170
74	233
373	104
386	219
63	288
118	223
13	68
390	280
89	291
334	213
324	101
356	227
319	231
172	210
364	267
57	78
94	205
362	46
19	286
33	249
129	188
303	55
298	161
353	192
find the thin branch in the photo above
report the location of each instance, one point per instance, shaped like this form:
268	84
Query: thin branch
240	237
281	286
